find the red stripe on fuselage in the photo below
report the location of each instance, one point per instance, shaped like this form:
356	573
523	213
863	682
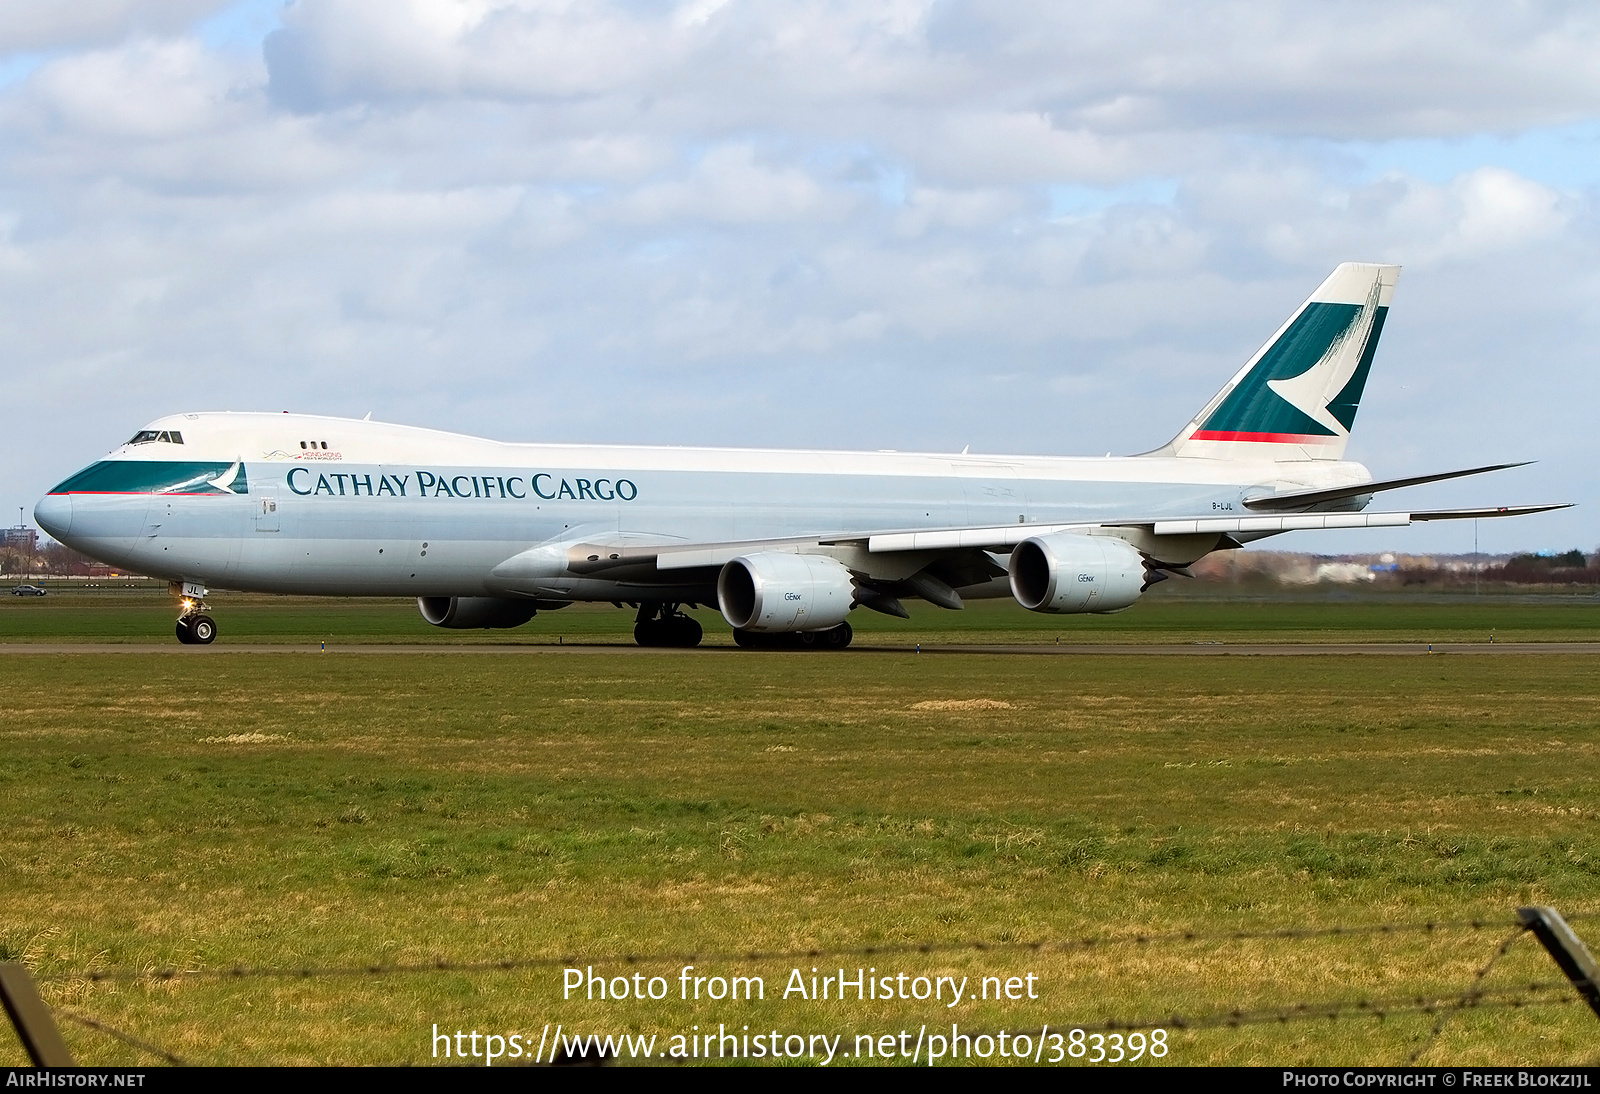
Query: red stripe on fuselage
148	494
1262	438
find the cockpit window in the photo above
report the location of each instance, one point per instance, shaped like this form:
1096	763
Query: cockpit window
175	437
145	436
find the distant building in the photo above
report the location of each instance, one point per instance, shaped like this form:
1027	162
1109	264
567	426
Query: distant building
21	536
1344	573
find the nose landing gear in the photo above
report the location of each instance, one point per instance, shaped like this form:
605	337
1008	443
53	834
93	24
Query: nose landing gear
196	629
195	626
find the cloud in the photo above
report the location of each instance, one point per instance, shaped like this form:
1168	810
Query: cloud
929	208
1500	211
149	90
1092	71
728	185
31	25
1362	68
377	50
1021	226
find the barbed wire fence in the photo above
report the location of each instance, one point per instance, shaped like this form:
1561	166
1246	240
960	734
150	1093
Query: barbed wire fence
34	1020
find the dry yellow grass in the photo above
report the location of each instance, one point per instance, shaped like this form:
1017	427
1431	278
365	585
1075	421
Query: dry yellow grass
278	811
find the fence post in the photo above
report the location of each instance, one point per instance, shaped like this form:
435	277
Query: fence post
1568	950
32	1018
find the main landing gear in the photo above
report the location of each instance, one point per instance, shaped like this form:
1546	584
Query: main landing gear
664	625
195	625
834	638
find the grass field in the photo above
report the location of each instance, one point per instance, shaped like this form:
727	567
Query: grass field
341	809
1172	612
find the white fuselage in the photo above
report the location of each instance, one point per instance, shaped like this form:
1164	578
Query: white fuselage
300	504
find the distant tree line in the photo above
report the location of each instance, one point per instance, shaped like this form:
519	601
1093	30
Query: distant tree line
1571	568
49	559
1287	568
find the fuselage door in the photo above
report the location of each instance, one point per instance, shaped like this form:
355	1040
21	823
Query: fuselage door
267	512
993	491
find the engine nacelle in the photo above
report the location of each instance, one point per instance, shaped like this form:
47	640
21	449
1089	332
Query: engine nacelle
475	612
1070	573
773	592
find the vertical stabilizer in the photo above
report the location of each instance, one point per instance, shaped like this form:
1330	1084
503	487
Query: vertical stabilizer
1297	397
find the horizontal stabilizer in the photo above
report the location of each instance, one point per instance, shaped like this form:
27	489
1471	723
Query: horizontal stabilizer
1305	499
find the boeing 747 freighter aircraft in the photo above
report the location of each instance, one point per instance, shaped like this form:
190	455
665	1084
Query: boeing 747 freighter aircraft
785	543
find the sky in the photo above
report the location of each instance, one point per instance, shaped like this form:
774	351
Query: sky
1016	226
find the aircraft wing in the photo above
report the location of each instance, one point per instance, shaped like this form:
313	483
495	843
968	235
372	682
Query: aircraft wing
591	558
1302	522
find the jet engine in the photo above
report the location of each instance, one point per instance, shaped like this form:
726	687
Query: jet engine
475	612
772	592
1072	574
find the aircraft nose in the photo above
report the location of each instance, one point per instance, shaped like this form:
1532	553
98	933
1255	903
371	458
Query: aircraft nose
54	515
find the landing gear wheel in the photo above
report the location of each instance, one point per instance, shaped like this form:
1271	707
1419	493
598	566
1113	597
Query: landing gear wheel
197	630
686	632
670	629
836	638
760	640
677	633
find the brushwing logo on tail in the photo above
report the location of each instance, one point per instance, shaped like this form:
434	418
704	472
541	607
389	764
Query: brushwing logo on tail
1307	385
